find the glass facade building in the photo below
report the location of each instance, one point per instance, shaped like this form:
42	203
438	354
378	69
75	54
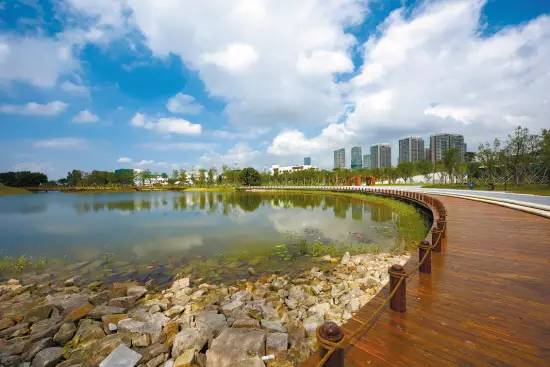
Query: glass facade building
356	158
380	155
340	158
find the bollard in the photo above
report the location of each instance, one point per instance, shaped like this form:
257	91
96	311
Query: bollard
426	266
398	302
327	334
436	240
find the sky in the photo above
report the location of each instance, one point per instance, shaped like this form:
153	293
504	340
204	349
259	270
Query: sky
176	84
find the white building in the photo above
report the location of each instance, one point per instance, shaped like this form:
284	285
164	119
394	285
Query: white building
282	169
150	181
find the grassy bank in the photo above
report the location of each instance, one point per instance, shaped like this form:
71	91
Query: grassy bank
6	190
518	189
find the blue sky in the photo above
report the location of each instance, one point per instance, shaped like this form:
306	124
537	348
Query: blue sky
180	84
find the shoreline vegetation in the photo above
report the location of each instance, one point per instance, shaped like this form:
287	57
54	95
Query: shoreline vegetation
79	322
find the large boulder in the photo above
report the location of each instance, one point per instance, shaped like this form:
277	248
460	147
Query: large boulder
48	357
237	347
122	356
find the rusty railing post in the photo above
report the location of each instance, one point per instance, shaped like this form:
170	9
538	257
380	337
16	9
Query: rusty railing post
327	334
441	226
426	266
399	300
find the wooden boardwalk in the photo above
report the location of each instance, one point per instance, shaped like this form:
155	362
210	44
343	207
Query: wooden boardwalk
486	303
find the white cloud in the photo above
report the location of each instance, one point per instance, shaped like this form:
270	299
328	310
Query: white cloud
22	59
124	160
254	54
85	117
189	146
71	87
61	143
166	125
241	154
35	109
183	104
432	70
234	58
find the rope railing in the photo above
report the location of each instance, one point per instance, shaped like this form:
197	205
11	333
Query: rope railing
329	335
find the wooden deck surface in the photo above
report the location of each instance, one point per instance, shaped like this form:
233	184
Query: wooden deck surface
486	303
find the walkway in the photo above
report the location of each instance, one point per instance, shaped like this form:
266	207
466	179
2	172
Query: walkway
486	303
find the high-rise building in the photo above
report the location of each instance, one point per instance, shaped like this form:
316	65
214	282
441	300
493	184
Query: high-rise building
340	158
307	161
380	155
427	154
366	161
411	149
356	158
440	143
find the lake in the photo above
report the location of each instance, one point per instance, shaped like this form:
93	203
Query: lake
213	235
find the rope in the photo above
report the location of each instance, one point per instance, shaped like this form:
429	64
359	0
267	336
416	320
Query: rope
349	340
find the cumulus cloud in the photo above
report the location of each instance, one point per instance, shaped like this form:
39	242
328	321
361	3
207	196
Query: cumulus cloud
85	117
35	109
61	143
433	70
124	160
166	125
273	63
241	155
75	88
183	104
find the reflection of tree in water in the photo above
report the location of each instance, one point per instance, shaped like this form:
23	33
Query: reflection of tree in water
380	213
249	203
357	211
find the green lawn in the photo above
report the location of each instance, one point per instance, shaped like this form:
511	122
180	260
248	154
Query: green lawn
518	189
6	190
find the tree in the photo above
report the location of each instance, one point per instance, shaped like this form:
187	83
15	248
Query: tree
74	178
202	177
424	167
450	160
183	176
545	151
249	177
23	179
405	170
211	174
520	148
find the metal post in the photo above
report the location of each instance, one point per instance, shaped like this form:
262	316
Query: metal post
398	302
426	266
327	334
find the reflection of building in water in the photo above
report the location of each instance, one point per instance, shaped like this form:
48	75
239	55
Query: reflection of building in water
357	212
341	208
380	213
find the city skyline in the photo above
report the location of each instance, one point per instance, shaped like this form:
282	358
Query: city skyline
108	90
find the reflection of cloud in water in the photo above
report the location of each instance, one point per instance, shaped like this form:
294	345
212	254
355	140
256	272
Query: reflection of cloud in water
55	228
299	220
167	245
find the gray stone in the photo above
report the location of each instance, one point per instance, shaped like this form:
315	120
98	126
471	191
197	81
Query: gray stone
174	311
66	301
246	322
65	333
276	342
48	357
122	356
141	340
98	311
345	259
181	283
312	323
36	347
157	361
272	325
210	323
237	347
190	338
89	330
123	302
231	306
136	291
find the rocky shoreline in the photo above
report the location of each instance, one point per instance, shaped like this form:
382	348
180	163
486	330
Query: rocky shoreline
267	322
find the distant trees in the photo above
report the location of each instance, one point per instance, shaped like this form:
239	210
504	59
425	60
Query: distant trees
250	177
23	179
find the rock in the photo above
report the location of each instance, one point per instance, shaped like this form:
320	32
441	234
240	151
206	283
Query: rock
79	312
98	311
181	283
16	346
11	330
210	323
65	333
89	330
109	322
48	357
36	347
66	301
153	350
6	323
189	338
123	302
319	309
275	326
231	306
174	311
141	340
101	297
312	323
185	359
39	313
276	342
122	356
44	328
153	327
136	291
246	322
345	259
169	363
247	346
296	332
157	361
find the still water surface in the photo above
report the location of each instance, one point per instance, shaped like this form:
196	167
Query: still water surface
219	235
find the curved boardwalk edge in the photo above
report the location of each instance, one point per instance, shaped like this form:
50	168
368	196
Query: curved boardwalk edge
486	301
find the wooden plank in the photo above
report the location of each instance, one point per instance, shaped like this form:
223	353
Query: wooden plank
487	301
